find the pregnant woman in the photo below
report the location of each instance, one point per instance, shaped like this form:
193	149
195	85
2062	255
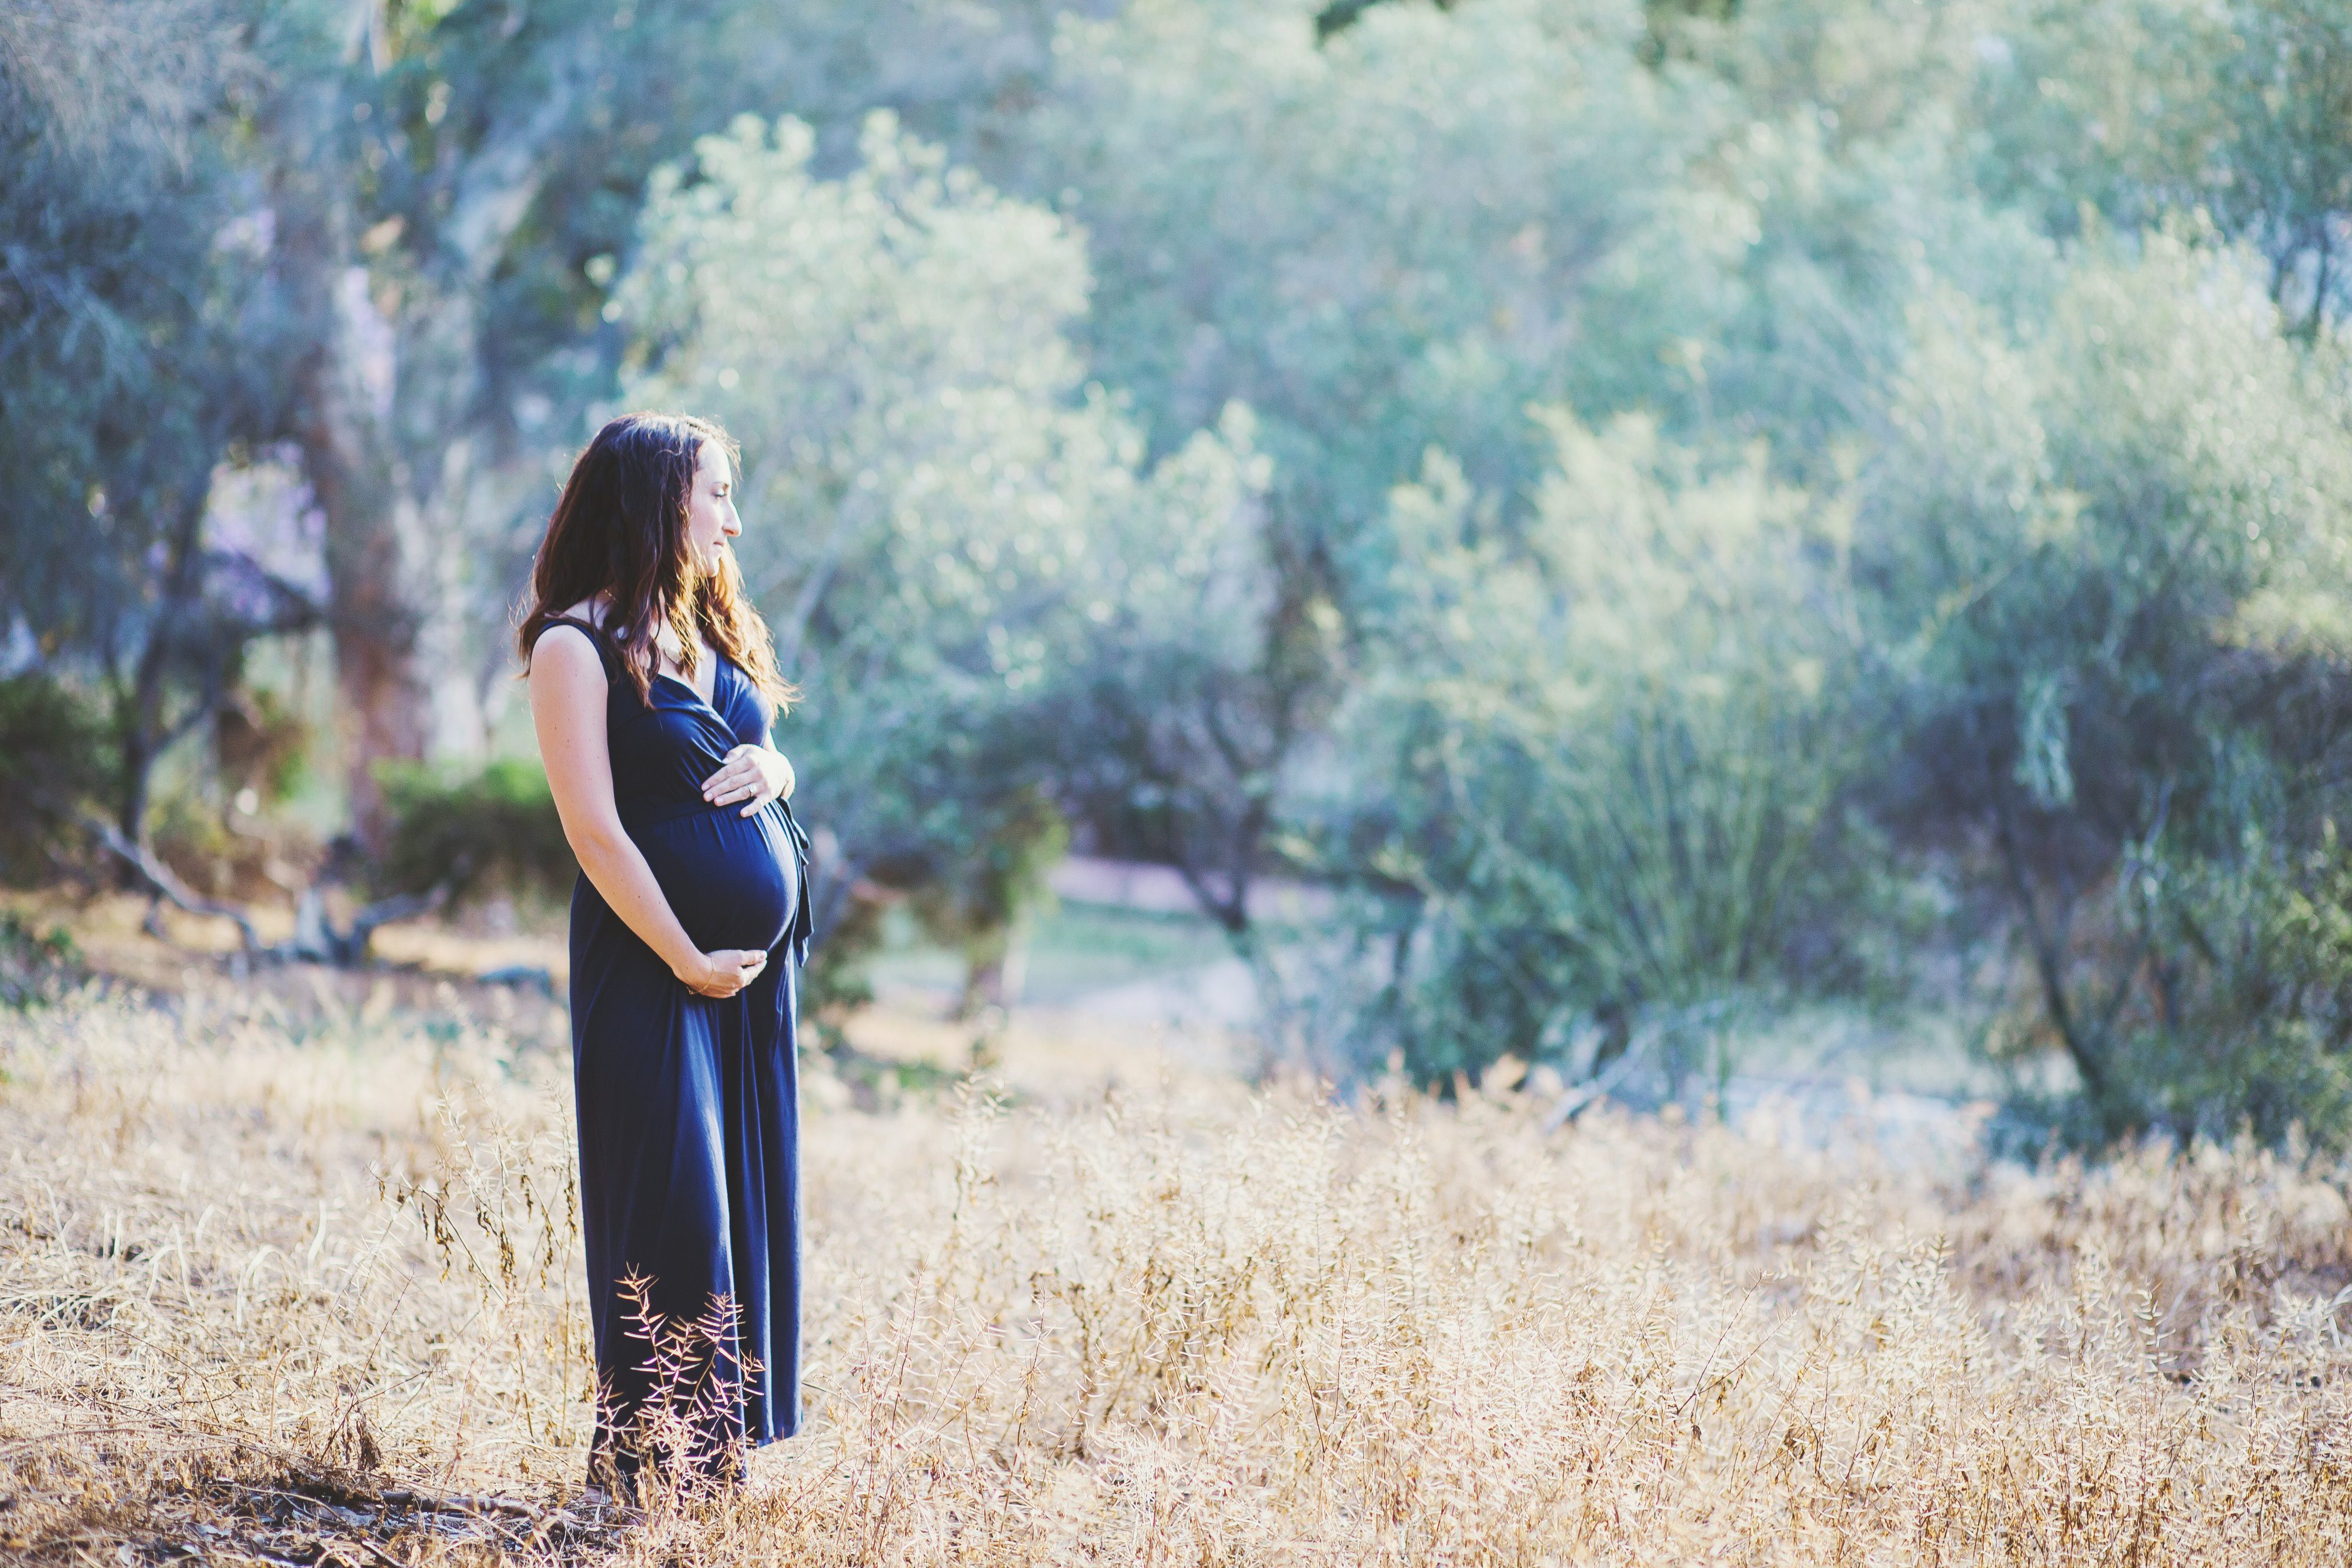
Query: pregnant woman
653	687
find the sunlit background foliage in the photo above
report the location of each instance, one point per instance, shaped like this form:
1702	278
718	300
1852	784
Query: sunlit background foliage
1676	513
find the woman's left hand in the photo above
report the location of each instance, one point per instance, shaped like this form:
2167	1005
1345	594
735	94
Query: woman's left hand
751	774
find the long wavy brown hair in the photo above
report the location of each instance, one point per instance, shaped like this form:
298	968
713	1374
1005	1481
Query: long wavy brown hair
619	529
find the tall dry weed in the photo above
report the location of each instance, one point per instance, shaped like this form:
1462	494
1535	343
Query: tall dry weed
326	1292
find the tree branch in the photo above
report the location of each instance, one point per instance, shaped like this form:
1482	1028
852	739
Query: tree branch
320	943
166	882
503	177
2049	960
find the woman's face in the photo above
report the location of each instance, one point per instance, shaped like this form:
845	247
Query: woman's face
710	519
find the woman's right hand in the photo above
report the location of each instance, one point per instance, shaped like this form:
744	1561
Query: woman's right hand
720	974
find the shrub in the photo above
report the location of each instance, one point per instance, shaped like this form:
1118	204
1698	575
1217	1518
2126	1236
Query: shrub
52	759
494	829
2106	596
2239	1017
261	744
976	903
1611	742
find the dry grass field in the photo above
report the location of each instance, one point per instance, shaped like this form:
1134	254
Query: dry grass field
290	1285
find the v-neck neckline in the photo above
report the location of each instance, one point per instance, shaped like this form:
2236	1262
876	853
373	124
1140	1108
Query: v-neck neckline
710	702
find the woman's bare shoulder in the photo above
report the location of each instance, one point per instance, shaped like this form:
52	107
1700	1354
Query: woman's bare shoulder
587	611
562	648
566	641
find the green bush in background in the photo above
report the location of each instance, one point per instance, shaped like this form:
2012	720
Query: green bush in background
2245	1020
2105	612
491	831
1614	740
53	760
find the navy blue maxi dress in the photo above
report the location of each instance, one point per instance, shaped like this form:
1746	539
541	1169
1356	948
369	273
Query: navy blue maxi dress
690	1157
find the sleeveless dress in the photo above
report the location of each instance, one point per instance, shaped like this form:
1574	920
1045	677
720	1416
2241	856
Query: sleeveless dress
689	1156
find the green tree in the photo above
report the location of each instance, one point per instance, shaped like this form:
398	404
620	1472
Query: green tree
928	482
1603	752
1403	232
2137	108
1204	676
138	345
2099	554
1363	237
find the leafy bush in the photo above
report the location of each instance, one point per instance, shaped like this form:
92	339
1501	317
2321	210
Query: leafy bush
261	744
189	834
976	903
53	757
2105	564
839	978
1614	742
2238	1018
494	829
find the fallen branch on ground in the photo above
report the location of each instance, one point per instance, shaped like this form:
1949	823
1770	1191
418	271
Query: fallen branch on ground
315	939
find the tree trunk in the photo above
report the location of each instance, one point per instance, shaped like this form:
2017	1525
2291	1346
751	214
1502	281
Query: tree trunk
377	560
344	393
138	715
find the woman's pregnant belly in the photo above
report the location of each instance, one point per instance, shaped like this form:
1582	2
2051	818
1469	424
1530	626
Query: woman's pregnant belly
731	878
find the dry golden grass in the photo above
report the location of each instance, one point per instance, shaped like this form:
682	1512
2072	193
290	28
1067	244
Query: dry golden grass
297	1287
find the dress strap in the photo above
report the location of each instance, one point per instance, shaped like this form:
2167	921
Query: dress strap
605	653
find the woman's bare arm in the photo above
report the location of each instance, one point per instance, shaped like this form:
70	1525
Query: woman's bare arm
567	707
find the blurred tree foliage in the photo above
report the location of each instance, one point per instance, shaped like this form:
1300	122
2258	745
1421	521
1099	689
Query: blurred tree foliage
35	967
2138	107
1641	819
2101	553
890	348
136	352
1671	505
